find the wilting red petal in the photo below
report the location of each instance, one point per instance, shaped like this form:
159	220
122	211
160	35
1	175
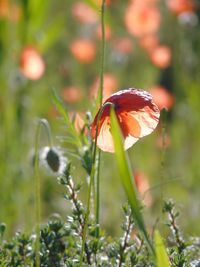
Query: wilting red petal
137	114
129	125
104	139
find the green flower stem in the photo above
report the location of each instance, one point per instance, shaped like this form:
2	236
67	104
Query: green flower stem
100	93
100	102
100	97
163	155
37	195
45	124
91	182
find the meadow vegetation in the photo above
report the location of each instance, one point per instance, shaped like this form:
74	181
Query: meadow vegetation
64	201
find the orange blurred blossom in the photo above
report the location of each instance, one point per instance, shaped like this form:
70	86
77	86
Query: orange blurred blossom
108	32
141	19
72	94
146	2
123	45
161	56
162	97
9	10
31	63
77	119
181	6
84	13
99	2
110	86
83	50
4	8
149	42
142	184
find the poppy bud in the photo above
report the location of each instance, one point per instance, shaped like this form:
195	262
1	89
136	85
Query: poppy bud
53	159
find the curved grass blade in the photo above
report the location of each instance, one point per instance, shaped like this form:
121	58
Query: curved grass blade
127	178
162	259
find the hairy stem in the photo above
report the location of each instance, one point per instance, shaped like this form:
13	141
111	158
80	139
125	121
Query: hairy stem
125	240
44	123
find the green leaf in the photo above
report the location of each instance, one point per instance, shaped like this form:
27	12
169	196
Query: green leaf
162	259
127	178
67	120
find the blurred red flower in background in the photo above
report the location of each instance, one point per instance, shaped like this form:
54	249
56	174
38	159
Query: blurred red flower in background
11	11
31	63
124	45
138	116
77	119
180	6
109	87
149	1
141	19
162	97
83	50
72	94
108	32
84	13
142	184
99	2
161	56
149	42
4	8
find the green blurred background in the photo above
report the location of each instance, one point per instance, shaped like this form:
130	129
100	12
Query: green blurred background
39	51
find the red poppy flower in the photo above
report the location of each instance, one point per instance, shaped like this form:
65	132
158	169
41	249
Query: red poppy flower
137	115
